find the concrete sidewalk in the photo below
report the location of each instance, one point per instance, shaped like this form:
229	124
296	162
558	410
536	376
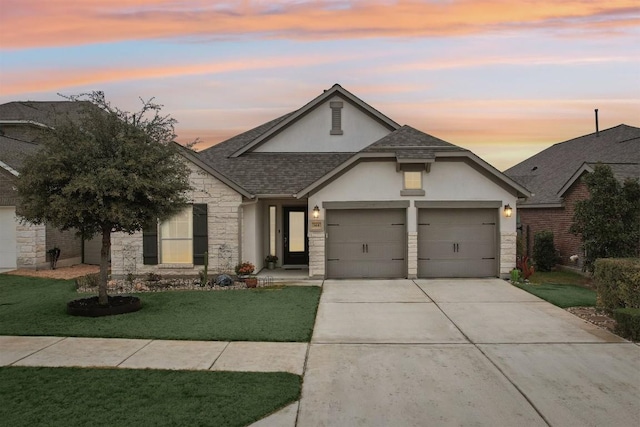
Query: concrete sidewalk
153	354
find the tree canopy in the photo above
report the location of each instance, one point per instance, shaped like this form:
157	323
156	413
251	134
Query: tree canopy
608	221
103	171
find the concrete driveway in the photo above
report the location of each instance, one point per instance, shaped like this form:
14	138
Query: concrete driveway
461	352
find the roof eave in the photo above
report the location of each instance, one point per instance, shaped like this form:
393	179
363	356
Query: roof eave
9	169
343	167
540	205
585	167
193	158
521	191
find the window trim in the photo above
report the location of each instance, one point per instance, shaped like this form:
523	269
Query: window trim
417	191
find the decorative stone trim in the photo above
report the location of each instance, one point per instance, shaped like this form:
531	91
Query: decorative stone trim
412	255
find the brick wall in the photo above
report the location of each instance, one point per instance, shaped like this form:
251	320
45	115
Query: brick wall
559	221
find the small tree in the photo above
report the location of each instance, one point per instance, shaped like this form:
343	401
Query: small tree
544	251
609	221
105	171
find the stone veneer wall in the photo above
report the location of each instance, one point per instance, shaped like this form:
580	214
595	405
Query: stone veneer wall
316	254
507	253
31	245
412	255
223	206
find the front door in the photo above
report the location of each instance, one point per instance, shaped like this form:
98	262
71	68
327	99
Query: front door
296	250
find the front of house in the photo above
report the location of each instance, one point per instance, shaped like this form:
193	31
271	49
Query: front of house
341	189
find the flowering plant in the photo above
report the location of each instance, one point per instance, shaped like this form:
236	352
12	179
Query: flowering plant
271	258
245	268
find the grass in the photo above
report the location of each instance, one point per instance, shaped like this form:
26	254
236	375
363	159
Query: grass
121	397
35	306
561	277
561	288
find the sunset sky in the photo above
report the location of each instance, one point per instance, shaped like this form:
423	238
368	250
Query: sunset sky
504	79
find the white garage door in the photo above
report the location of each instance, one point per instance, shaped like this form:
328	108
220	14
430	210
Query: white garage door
457	243
366	243
8	251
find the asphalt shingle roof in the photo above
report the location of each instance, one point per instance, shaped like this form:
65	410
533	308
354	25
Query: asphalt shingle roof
44	112
288	173
269	173
13	151
545	173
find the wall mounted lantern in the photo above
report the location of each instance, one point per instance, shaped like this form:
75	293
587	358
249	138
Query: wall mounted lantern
316	212
507	211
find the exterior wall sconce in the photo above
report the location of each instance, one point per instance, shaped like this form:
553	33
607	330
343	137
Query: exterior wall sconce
316	212
507	211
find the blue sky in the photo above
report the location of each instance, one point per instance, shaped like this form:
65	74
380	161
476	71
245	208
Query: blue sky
504	79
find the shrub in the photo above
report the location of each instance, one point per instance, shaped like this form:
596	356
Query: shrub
617	282
89	281
544	251
628	323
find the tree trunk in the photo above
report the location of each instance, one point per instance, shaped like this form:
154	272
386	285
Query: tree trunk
104	265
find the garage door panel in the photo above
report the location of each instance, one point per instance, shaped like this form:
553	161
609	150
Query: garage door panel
8	248
366	243
457	242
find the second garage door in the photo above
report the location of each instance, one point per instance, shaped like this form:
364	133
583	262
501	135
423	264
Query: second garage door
457	242
366	243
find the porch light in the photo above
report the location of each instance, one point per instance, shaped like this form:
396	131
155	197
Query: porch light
316	212
507	211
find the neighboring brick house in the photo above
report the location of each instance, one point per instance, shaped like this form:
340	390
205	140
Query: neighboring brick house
554	177
26	245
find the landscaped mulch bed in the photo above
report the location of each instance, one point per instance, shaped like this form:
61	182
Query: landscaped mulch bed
59	273
593	315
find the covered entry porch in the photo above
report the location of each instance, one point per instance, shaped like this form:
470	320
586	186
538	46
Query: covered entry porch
277	226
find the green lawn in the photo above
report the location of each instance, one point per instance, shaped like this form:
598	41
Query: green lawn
564	289
34	306
122	397
560	277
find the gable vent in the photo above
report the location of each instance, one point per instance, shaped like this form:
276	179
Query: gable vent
336	117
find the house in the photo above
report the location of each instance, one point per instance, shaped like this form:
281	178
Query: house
554	178
341	189
26	245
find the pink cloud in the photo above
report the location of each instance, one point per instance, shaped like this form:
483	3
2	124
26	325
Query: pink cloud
31	23
56	80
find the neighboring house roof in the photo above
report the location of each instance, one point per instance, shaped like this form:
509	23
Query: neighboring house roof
551	172
39	112
13	151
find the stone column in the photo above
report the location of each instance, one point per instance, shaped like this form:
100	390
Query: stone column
316	254
507	253
412	255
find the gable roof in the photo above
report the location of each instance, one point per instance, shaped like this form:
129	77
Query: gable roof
289	119
409	145
272	174
551	172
